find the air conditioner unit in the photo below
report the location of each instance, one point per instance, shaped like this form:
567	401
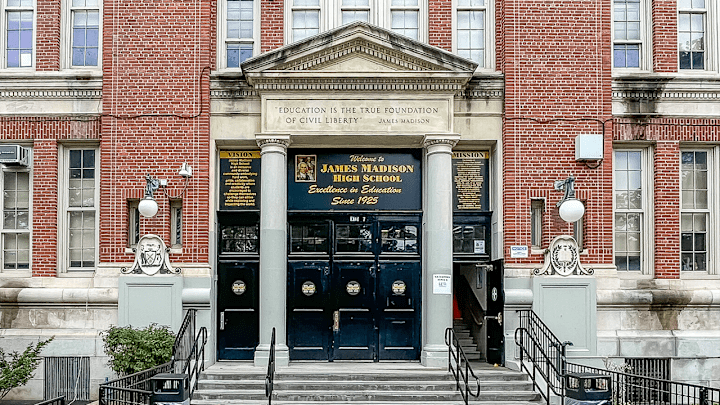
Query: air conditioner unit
14	155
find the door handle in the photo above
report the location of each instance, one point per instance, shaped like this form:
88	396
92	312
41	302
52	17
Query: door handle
336	321
498	318
222	320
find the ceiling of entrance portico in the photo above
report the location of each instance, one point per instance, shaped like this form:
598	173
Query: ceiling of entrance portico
357	51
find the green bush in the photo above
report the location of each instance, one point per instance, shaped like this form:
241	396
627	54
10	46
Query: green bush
132	350
16	369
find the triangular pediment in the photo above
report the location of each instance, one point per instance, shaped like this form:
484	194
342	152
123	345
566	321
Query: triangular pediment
359	48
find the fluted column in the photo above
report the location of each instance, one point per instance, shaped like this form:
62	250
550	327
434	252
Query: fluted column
437	302
273	247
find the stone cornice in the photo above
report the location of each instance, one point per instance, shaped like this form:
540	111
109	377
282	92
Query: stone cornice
369	84
664	88
50	85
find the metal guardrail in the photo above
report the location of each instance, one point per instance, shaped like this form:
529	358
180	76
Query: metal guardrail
54	401
547	355
270	375
541	348
631	389
188	357
459	366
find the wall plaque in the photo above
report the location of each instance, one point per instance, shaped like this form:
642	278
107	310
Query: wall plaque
358	180
470	180
239	180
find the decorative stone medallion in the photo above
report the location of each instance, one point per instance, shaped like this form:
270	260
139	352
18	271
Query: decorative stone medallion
151	257
563	258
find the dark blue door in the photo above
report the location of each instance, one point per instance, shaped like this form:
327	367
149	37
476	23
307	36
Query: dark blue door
354	288
399	310
238	320
309	314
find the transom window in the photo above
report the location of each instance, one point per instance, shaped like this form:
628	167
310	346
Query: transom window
692	16
469	239
353	238
399	238
695	212
309	238
18	26
239	239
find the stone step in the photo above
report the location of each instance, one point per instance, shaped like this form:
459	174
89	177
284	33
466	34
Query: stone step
491	374
355	385
277	402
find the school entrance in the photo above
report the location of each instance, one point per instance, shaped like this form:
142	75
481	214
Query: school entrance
354	287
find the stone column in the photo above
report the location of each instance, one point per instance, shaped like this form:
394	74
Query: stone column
437	260
273	248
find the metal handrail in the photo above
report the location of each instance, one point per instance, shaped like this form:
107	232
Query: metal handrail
54	401
462	369
270	375
540	347
131	389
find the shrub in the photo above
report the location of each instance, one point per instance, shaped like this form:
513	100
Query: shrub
16	369
132	350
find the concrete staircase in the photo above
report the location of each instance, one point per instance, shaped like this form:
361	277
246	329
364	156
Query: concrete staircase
467	341
357	383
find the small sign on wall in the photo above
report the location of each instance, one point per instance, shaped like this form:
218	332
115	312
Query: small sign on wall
519	252
442	284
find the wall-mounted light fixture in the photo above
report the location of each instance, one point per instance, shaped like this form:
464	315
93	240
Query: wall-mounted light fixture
571	209
148	207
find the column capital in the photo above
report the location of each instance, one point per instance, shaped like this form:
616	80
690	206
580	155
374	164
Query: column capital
279	140
440	139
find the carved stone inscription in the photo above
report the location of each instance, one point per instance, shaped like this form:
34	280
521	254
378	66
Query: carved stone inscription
365	116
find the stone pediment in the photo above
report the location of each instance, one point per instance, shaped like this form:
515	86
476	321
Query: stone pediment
357	52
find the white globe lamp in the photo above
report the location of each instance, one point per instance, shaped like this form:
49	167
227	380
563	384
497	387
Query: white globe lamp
148	207
571	210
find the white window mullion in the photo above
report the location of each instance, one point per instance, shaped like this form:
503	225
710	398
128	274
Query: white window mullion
695	204
19	33
405	18
305	19
16	220
84	25
630	211
81	189
692	34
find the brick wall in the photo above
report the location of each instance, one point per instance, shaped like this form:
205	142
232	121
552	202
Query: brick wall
440	24
664	37
156	116
556	61
271	24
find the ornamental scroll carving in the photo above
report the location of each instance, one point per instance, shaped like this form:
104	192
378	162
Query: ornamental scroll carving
563	258
151	257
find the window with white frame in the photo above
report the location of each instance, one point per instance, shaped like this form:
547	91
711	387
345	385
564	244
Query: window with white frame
354	10
694	210
628	33
133	223
692	30
405	17
81	209
305	18
84	23
631	210
537	211
16	219
18	23
471	30
239	31
176	222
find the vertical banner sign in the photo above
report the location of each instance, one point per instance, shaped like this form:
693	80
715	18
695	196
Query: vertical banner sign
470	178
354	181
239	180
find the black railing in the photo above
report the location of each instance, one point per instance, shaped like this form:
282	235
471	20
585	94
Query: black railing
54	401
544	351
188	357
547	355
132	389
270	375
189	350
459	366
628	388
